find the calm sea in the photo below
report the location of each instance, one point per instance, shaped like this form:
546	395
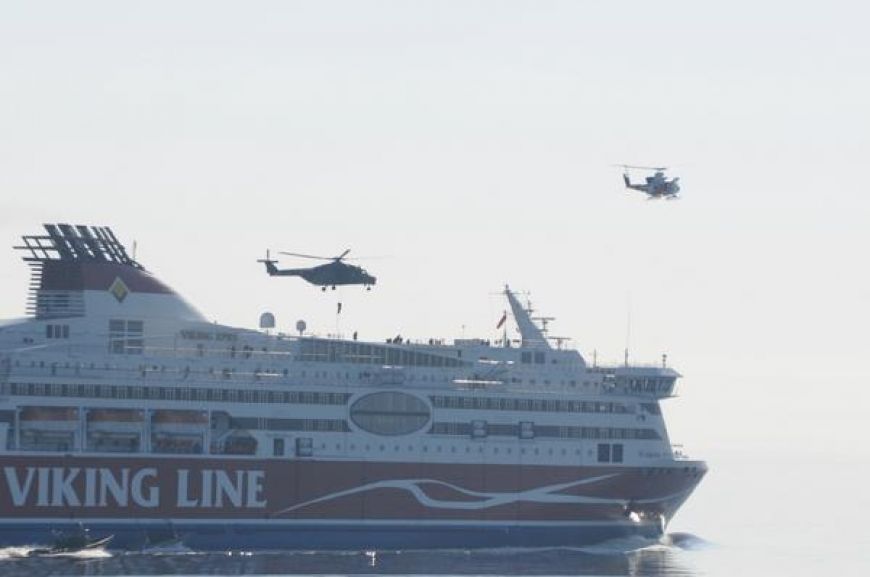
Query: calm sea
759	515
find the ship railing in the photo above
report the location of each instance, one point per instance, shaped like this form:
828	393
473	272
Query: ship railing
624	391
612	367
143	372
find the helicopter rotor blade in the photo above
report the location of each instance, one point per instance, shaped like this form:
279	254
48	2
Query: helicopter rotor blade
662	168
305	255
340	257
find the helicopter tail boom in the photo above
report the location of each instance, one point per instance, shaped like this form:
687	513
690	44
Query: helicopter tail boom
275	271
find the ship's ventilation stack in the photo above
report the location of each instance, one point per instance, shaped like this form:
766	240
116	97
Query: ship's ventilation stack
75	269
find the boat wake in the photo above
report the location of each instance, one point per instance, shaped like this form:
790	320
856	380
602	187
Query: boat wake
634	544
98	553
30	551
686	541
15	552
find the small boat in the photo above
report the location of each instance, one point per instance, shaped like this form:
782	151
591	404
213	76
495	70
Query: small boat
172	546
167	542
72	542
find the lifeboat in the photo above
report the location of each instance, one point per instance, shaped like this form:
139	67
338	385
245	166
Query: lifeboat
48	428
49	418
178	431
174	421
115	420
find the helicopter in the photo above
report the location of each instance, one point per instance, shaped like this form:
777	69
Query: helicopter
656	186
332	274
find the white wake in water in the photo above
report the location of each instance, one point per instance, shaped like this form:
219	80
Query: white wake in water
15	552
31	551
637	543
85	554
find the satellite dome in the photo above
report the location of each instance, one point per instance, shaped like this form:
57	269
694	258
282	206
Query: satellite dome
267	321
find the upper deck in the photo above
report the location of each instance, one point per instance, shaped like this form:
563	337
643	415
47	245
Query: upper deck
97	315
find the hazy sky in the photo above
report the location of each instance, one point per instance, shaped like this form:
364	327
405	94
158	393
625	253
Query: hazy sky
471	143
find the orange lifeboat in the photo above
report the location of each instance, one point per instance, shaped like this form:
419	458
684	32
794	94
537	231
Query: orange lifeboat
49	418
52	414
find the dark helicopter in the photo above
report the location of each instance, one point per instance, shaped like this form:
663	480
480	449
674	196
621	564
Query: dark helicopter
656	186
334	273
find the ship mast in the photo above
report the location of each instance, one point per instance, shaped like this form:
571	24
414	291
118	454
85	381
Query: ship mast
531	336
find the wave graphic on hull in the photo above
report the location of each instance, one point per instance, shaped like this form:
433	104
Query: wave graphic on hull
546	494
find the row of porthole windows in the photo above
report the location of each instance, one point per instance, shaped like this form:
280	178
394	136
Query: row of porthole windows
518	404
453	449
173	393
562	382
529	430
259	373
367	376
366	353
185	372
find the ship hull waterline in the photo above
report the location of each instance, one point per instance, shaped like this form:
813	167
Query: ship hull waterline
310	504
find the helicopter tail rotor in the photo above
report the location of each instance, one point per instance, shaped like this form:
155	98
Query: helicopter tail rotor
270	264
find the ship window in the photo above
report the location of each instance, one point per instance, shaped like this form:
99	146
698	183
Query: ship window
390	413
603	452
278	447
616	453
527	430
539	358
478	429
125	337
57	331
526	357
305	447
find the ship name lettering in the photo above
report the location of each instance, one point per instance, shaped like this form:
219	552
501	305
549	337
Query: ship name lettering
196	335
192	335
219	488
88	487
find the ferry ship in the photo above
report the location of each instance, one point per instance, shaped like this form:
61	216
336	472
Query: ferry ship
123	410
